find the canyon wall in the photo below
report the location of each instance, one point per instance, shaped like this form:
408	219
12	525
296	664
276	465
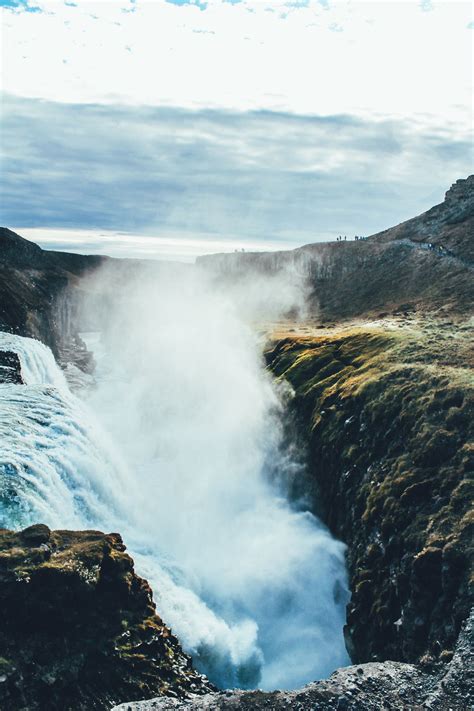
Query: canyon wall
388	421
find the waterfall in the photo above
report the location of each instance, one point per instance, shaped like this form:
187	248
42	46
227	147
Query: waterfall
38	366
254	589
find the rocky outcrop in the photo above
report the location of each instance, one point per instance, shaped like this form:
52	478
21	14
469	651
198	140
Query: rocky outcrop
78	627
389	421
367	687
448	226
10	368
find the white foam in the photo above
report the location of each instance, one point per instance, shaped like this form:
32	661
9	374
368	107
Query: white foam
173	451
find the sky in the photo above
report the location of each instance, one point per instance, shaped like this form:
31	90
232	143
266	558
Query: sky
170	129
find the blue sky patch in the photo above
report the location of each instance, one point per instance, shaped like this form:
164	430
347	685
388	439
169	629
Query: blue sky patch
20	4
201	4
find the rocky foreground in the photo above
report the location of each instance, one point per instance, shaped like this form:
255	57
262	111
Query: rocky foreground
78	627
368	687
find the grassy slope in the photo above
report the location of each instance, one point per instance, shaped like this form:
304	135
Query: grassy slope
389	419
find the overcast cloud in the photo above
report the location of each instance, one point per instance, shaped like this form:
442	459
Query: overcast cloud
226	125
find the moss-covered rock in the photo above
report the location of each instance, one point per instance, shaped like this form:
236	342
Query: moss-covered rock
388	416
78	627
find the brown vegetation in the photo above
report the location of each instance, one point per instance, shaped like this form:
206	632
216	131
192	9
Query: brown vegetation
78	628
389	421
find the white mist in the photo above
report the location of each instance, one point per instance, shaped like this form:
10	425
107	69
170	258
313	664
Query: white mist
176	448
254	589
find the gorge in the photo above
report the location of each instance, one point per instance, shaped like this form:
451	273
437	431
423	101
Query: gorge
263	412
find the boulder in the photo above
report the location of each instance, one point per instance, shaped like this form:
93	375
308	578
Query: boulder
78	627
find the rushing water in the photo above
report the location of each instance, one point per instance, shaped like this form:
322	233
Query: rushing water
254	588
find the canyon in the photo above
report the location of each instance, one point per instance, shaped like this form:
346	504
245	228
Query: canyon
379	404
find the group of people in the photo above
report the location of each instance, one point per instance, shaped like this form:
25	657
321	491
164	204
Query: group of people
343	239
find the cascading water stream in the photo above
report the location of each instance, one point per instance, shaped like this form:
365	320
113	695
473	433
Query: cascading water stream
177	462
38	366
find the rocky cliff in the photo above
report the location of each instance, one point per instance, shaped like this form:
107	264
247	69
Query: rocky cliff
39	291
383	414
43	293
388	417
10	368
425	264
78	627
448	227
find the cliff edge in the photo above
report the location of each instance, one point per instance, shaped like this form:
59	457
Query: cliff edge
425	264
78	627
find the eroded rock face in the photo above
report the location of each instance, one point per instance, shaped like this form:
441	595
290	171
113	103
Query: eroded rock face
39	289
43	294
78	627
389	418
368	687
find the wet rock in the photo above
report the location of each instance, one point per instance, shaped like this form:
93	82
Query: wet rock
398	491
78	627
369	687
10	368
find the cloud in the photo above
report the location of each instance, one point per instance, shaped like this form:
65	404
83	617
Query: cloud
384	58
243	122
173	246
241	179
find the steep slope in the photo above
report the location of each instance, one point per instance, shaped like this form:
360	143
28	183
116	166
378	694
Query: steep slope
425	264
388	417
39	289
448	227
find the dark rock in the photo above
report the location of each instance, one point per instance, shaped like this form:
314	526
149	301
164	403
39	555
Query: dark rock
17	250
78	628
399	490
35	535
39	290
371	687
10	368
